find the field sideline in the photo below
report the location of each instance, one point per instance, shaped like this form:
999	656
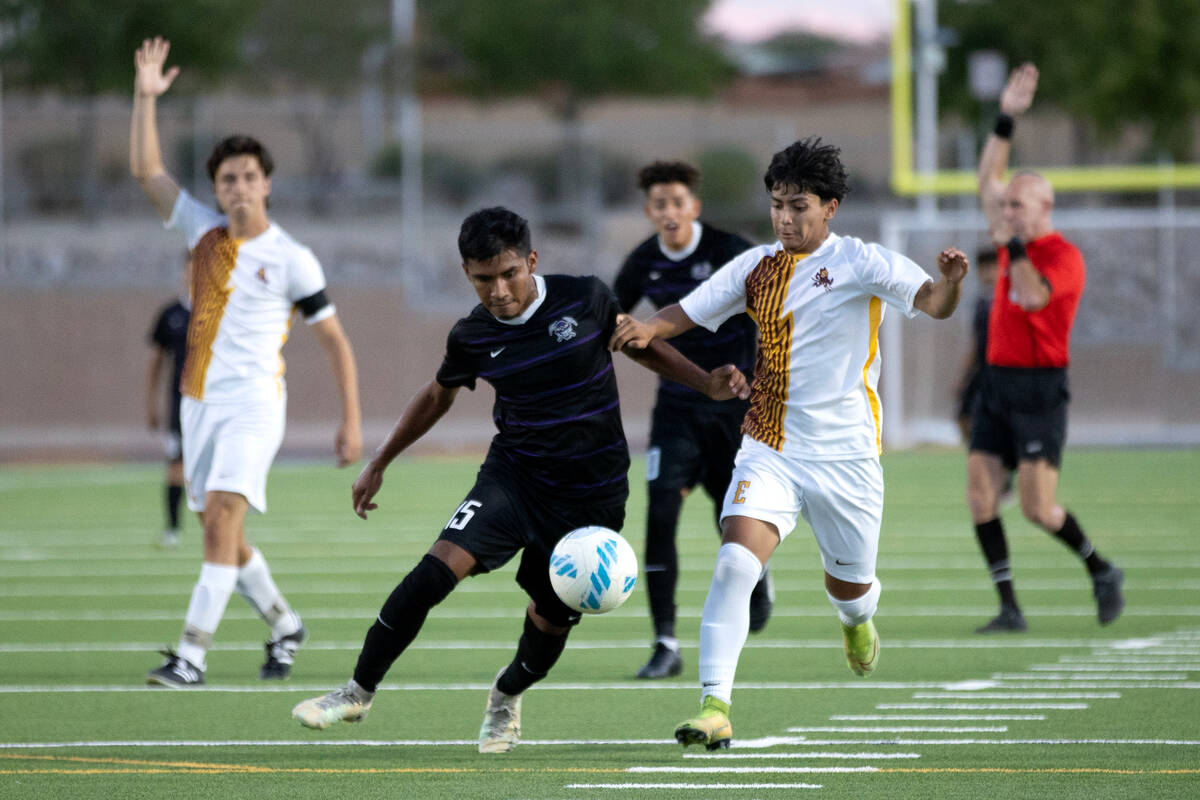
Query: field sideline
1067	710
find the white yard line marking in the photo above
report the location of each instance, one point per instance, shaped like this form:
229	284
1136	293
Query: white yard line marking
315	743
900	729
743	770
1017	696
848	756
936	717
739	786
1033	676
983	706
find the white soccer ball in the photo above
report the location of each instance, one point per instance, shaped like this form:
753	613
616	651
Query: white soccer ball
593	569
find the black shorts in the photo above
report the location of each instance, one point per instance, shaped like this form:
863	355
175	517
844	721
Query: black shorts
966	399
689	446
500	516
1021	414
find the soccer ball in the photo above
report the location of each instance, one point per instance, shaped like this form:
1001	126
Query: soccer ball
593	569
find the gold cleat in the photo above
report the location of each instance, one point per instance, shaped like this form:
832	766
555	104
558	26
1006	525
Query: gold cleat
862	647
711	727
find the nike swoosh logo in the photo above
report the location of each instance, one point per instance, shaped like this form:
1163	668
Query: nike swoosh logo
495	353
843	563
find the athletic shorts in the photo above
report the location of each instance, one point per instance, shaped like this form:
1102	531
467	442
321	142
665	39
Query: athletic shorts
172	445
1021	415
688	447
842	501
229	447
499	516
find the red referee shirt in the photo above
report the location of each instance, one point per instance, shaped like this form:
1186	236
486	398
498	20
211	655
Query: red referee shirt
1018	338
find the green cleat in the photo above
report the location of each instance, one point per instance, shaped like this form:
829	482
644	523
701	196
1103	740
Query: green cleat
710	728
862	647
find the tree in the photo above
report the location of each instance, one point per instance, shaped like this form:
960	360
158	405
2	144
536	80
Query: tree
572	51
1115	63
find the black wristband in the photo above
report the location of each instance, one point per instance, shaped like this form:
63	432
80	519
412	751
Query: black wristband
1004	126
1015	249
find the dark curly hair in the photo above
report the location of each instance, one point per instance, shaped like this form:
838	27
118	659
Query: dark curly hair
668	172
490	231
810	166
239	145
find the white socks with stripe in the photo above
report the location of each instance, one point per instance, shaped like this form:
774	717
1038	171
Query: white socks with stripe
860	609
210	595
726	620
254	582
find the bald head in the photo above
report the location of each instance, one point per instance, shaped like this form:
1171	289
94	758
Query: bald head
1027	204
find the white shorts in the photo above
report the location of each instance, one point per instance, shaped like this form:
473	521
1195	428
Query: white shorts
842	501
229	447
172	446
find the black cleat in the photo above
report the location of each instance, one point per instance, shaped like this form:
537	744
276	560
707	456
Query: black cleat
1009	620
664	663
1106	587
762	600
281	653
175	673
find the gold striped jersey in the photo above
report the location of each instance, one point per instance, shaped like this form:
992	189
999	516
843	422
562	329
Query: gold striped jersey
815	393
243	296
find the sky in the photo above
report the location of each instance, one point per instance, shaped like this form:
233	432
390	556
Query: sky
755	20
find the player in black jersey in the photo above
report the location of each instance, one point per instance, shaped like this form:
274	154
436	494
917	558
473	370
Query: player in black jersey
168	338
693	440
558	460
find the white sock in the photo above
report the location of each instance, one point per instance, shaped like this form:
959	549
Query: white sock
669	642
860	609
254	582
210	595
726	620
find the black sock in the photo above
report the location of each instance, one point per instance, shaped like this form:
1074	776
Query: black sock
662	559
401	617
537	652
174	495
1072	536
995	551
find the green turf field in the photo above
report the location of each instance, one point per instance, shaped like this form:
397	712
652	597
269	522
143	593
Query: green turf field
1067	710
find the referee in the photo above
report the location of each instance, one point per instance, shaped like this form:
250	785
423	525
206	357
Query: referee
1020	416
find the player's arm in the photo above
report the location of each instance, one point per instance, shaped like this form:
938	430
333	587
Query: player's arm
154	373
993	163
426	408
145	154
667	322
723	383
939	298
329	332
1029	288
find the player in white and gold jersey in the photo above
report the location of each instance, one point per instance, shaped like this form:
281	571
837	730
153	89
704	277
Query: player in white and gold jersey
811	439
248	279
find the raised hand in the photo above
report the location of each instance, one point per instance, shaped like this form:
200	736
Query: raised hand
148	60
953	263
1018	92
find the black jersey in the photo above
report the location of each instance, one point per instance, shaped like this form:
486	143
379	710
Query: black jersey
649	273
557	415
170	335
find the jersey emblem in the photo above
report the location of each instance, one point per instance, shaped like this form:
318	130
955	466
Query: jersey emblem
261	274
655	275
497	351
822	279
701	271
563	329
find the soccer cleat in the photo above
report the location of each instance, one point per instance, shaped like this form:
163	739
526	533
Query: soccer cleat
762	600
350	703
861	643
1106	586
501	729
1009	620
175	673
711	727
170	539
281	653
664	663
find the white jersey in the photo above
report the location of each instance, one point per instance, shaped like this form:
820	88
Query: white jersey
243	296
814	392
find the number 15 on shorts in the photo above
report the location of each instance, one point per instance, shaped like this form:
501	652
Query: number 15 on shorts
463	515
